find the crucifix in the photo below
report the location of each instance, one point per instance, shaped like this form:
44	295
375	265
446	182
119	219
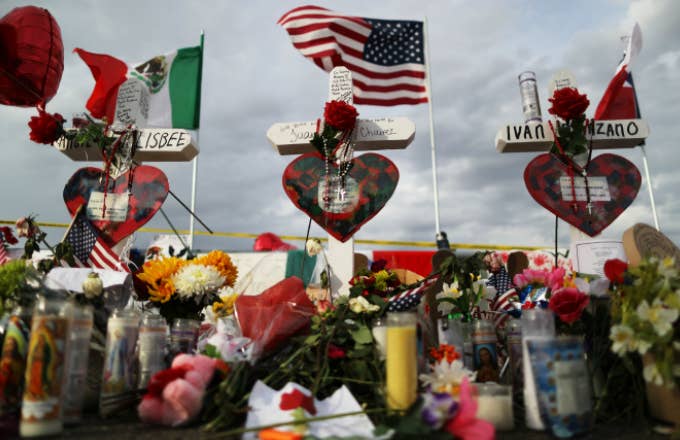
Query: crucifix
369	134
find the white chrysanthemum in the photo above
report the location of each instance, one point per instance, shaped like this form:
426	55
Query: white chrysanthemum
197	279
652	374
660	317
622	338
445	376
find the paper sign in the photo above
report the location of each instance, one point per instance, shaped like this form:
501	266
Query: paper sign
116	206
589	256
598	188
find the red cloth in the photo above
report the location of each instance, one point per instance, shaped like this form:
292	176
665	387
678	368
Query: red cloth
419	262
271	242
109	73
276	314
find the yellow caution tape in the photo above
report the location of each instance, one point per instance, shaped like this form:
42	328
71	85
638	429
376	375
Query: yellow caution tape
425	244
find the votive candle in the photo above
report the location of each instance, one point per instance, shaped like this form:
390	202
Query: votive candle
401	360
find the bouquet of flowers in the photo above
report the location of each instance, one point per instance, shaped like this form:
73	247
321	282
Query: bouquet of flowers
463	286
645	316
183	288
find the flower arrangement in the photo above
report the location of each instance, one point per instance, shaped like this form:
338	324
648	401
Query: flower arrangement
570	106
463	286
183	288
645	312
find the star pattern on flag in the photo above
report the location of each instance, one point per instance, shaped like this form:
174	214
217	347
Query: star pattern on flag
500	281
394	42
82	238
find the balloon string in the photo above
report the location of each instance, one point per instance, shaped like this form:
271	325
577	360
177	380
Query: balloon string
49	57
20	83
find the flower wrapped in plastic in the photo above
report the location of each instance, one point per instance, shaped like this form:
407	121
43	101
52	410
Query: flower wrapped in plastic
274	315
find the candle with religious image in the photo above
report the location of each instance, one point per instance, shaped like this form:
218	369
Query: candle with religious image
484	351
12	368
153	335
78	356
401	360
41	409
119	378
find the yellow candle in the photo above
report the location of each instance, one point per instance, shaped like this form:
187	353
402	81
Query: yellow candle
401	361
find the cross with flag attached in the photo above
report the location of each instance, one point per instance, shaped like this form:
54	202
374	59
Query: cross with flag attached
89	249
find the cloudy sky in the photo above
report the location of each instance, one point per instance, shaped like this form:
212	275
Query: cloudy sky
253	77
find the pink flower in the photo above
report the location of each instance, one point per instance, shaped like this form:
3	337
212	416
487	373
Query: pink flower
26	227
555	279
175	396
465	425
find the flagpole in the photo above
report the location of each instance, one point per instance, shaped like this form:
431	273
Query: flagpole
433	150
194	170
649	187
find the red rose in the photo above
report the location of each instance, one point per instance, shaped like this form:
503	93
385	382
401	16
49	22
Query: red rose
8	236
340	115
335	352
568	304
378	265
568	103
615	269
46	128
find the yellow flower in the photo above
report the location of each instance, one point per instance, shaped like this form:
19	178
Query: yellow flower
222	263
157	274
225	306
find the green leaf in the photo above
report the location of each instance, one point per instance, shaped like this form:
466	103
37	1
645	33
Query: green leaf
362	335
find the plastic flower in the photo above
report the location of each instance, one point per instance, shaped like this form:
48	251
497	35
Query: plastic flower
157	274
340	115
465	425
438	408
568	103
660	317
92	286
651	374
197	279
568	303
615	269
623	339
361	305
222	262
446	377
46	128
314	247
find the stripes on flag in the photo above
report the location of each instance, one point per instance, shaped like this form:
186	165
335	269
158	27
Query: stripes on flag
504	304
89	249
386	57
409	299
4	256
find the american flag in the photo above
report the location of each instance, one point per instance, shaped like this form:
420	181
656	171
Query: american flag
503	305
386	57
4	256
408	299
89	249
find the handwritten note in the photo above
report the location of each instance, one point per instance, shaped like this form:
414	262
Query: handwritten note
116	206
340	85
132	105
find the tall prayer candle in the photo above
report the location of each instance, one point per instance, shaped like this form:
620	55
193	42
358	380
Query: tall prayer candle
75	380
41	409
401	360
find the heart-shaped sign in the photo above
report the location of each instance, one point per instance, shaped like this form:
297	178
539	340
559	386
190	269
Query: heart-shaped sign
612	182
340	206
130	201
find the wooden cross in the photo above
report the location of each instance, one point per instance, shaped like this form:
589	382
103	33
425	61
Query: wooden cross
369	134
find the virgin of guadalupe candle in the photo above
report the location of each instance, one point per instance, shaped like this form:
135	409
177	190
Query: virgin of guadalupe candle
79	351
41	407
13	362
401	360
119	379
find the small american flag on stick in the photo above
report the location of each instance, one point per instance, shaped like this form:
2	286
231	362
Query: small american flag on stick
408	299
4	256
89	249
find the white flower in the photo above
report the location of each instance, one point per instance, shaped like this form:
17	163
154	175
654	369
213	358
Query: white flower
314	247
622	338
445	376
197	279
652	374
661	318
643	346
361	304
92	286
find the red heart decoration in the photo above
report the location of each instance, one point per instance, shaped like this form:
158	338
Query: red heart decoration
542	178
372	176
147	192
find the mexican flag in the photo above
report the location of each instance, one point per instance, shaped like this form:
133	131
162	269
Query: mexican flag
173	82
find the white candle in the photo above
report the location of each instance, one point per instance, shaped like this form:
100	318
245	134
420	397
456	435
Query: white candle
380	336
497	410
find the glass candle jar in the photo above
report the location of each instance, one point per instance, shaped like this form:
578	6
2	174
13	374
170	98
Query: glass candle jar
401	360
78	356
494	404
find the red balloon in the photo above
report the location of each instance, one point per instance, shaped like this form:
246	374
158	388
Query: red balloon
31	57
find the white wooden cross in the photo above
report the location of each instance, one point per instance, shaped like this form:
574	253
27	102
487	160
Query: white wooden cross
153	144
369	134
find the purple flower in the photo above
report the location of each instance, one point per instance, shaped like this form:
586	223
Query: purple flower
438	408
